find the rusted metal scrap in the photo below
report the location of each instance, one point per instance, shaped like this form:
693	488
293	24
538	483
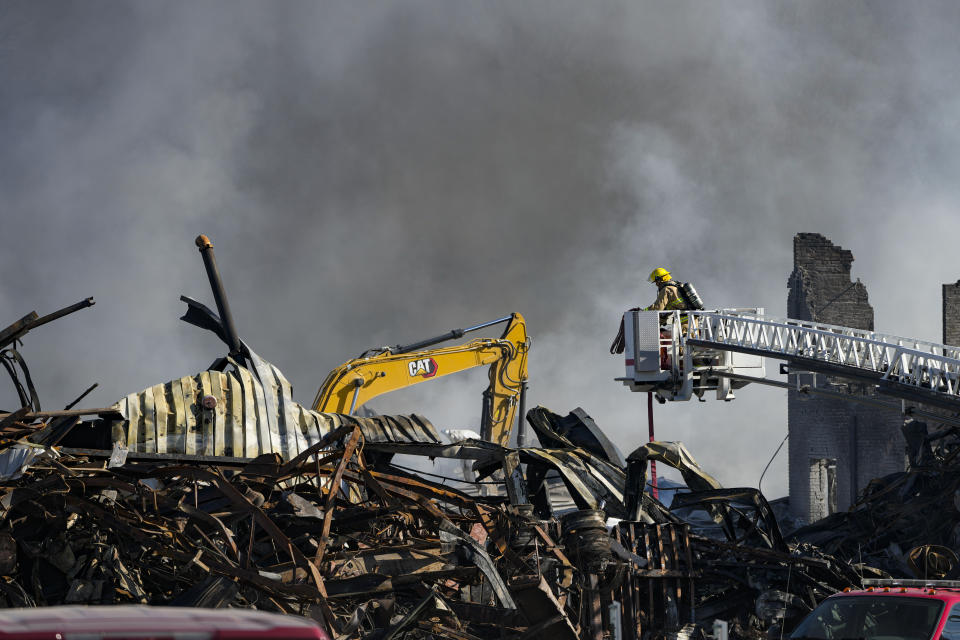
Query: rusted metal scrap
361	545
396	553
652	574
218	490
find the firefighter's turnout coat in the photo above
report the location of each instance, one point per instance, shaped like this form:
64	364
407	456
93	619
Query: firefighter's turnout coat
669	298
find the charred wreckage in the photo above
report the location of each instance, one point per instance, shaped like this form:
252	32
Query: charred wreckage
218	490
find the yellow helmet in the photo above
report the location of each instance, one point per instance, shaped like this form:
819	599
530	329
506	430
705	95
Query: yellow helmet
659	273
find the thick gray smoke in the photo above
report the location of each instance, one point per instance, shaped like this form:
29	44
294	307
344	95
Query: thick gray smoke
375	173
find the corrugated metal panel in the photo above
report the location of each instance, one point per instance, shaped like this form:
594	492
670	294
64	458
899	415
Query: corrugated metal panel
255	414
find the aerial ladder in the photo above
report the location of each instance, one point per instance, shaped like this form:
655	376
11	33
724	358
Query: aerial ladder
385	369
678	355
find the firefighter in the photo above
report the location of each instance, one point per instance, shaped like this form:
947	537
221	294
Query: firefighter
669	298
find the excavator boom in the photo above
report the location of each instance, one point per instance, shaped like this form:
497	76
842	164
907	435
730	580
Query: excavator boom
356	381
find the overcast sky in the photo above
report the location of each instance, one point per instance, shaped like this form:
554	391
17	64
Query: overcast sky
373	173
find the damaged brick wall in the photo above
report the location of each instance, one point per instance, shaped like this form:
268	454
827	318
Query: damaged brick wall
951	314
864	441
820	288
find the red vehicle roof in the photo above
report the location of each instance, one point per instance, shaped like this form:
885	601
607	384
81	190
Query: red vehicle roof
949	595
144	622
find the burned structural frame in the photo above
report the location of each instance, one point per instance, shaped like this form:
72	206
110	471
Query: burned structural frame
335	531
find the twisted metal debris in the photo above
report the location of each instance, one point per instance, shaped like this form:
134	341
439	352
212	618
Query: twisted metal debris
218	490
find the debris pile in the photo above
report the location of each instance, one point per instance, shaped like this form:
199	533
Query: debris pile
906	523
321	535
340	534
218	490
326	535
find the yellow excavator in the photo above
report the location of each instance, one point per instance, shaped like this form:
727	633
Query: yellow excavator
379	371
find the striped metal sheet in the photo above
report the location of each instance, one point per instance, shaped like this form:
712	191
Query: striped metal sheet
254	414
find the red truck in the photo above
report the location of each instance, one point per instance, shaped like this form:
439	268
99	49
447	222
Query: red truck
140	622
887	610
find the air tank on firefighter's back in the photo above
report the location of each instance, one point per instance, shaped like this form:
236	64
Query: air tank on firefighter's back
693	298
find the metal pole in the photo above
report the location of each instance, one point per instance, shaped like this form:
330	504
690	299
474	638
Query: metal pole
484	325
594	608
486	411
521	419
653	463
219	295
454	334
893	406
616	620
357	385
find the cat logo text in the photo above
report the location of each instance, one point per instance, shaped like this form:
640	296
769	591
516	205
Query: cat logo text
424	367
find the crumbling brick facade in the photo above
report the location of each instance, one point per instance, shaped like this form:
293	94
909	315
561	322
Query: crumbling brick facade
835	446
820	288
951	314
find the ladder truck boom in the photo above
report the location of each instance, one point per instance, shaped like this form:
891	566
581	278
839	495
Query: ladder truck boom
681	354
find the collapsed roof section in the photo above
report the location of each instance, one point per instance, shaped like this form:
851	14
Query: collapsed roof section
240	410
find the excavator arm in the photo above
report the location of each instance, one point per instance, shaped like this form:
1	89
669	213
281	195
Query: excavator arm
356	381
